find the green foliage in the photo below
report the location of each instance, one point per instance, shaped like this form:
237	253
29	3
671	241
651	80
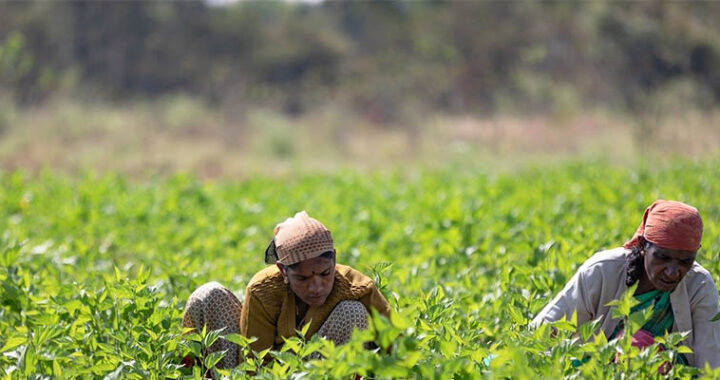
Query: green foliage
15	62
95	271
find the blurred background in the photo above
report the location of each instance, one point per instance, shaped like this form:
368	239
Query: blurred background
226	89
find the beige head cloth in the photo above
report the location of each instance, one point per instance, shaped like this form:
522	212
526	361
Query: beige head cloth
300	238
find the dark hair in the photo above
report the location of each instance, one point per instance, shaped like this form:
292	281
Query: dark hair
635	262
327	255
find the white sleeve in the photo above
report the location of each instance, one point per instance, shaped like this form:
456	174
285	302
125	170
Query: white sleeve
580	294
705	334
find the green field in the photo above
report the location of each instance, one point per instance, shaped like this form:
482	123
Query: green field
95	270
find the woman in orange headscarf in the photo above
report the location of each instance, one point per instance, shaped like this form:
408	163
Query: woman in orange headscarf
660	259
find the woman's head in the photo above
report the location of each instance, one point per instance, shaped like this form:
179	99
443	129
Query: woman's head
304	252
311	280
665	267
665	244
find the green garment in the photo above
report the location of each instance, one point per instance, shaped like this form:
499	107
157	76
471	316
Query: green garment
660	322
662	317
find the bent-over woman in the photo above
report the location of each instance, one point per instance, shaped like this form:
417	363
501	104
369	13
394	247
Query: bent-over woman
304	285
660	258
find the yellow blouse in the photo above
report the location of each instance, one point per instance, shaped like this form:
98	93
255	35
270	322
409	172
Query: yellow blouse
268	311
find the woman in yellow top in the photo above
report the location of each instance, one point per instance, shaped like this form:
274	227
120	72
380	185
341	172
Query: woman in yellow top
305	285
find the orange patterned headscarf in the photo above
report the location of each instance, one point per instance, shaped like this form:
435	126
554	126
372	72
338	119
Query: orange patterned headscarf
298	239
671	225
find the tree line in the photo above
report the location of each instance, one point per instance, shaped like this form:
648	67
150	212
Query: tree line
384	59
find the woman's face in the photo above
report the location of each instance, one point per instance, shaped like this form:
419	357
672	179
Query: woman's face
666	267
312	280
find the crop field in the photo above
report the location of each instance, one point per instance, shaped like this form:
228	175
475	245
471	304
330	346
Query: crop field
95	270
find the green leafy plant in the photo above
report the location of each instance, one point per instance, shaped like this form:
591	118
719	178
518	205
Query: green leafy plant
95	270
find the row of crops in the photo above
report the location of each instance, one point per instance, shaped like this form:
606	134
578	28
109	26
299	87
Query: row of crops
95	271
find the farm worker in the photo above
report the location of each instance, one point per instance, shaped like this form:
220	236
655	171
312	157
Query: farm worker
660	258
305	285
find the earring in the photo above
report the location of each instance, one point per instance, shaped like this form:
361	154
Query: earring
285	280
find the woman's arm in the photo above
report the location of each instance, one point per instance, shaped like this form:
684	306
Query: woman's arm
256	321
706	334
579	294
374	299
